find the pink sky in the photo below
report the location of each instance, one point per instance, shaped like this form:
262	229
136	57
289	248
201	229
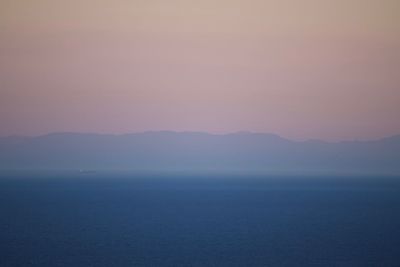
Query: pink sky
300	69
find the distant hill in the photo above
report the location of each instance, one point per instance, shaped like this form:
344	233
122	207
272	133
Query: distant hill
197	151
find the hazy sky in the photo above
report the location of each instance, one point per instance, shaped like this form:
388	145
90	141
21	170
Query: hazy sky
301	69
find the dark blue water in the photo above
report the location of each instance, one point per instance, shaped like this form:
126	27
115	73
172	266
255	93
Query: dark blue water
123	220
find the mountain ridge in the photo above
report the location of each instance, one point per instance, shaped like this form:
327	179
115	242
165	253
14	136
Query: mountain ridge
194	151
237	133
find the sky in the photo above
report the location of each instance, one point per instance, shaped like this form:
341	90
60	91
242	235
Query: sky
303	69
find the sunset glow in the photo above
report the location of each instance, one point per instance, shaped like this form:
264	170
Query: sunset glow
300	69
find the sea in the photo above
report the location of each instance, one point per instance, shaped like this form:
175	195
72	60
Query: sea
128	220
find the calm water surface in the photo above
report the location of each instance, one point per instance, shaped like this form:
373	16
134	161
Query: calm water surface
126	220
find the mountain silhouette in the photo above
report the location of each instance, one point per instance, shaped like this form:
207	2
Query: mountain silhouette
199	151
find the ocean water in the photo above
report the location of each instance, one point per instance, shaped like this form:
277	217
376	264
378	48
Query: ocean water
187	220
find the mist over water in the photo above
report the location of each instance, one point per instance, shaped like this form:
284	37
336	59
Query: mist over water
125	219
199	133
